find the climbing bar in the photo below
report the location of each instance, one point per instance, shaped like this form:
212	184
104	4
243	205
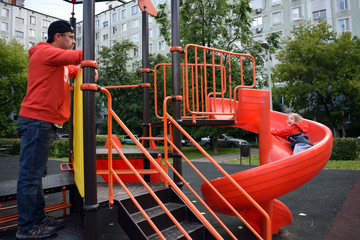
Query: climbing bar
90	87
129	86
176	49
88	63
148	70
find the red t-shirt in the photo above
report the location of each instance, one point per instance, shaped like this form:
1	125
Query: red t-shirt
48	90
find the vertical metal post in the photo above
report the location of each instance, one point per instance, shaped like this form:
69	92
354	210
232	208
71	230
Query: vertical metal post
75	198
90	205
175	41
269	74
145	79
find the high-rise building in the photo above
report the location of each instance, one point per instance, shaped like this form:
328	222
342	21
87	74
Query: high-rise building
123	21
28	27
281	15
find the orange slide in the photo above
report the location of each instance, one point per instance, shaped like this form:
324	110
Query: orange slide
279	172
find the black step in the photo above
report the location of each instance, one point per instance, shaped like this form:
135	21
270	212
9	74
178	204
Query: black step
137	227
195	230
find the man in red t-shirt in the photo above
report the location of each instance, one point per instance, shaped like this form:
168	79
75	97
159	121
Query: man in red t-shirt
45	107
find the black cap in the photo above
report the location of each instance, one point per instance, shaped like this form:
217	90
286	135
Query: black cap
60	26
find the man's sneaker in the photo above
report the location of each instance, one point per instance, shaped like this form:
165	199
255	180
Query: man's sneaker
51	222
36	232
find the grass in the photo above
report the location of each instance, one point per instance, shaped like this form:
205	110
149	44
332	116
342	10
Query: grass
192	153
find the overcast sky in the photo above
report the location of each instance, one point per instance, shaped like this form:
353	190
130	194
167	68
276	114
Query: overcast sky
60	8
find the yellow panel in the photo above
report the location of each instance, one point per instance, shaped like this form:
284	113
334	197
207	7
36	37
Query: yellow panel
78	135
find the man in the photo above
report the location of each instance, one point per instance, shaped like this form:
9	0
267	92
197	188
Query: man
45	107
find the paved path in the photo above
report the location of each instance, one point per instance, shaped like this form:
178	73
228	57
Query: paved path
325	208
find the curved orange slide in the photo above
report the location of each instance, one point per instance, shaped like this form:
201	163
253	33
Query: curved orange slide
279	171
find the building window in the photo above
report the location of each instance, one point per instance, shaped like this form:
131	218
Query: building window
296	13
135	52
31	44
44	35
32	32
97	36
45	23
161	45
257	22
19	20
123	13
115	30
123	27
106	23
150	47
135	23
275	2
319	14
33	20
344	25
150	33
135	37
97	23
134	9
105	37
342	5
256	4
5	12
162	1
276	18
114	17
78	31
4	26
19	34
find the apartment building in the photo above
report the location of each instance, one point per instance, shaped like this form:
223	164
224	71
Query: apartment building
123	21
25	25
281	15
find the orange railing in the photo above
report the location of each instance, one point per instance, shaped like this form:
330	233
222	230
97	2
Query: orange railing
112	173
164	173
207	74
167	141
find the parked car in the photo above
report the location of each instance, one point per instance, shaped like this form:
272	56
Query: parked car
64	136
224	141
127	140
184	142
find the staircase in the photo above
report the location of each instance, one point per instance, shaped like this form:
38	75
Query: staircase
136	226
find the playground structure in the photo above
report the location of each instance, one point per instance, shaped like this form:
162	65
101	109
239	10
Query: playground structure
212	87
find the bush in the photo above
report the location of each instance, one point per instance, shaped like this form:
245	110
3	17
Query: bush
15	142
345	149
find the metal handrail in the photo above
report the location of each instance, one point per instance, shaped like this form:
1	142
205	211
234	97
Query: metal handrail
232	181
168	180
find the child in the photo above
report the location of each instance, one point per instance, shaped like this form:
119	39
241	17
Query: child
295	132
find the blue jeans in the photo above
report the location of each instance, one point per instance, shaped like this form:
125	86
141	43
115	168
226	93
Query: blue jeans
299	147
36	138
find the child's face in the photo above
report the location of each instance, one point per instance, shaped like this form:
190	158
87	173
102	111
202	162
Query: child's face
290	119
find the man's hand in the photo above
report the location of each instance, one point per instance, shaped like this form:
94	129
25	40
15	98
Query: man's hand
96	75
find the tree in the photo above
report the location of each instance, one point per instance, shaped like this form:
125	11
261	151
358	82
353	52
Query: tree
13	75
224	25
321	72
113	71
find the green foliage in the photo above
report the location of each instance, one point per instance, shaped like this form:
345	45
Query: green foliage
321	73
13	74
345	149
59	149
14	142
114	72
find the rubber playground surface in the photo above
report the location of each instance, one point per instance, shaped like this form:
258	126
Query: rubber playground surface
327	207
